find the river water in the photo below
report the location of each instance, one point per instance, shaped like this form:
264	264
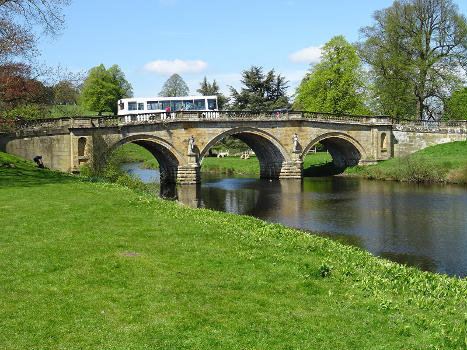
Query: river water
418	225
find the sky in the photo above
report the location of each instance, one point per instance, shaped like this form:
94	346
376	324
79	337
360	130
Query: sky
152	39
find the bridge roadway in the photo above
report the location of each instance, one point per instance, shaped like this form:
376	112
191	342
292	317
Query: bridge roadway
180	140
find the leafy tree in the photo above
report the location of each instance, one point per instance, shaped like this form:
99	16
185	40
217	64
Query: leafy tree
335	84
456	105
18	19
207	89
174	86
66	93
415	50
18	87
103	88
261	92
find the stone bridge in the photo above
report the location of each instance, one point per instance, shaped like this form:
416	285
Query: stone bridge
181	140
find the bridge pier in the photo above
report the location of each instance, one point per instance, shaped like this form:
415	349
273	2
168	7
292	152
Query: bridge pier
292	170
189	174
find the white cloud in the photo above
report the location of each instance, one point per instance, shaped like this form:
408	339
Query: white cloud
176	66
310	54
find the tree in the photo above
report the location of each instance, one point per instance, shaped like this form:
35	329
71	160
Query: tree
18	19
456	105
174	86
415	51
261	91
207	89
18	87
66	93
335	85
103	88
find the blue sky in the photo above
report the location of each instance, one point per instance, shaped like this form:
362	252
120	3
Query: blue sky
151	39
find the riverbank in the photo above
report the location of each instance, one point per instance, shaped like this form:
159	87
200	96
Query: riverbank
445	163
92	264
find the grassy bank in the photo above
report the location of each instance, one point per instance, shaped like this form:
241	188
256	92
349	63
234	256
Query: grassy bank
314	164
97	265
441	163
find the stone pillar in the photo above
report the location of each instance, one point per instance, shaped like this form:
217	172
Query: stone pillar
189	195
189	174
292	170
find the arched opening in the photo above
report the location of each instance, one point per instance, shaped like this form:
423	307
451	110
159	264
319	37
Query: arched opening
152	153
383	142
344	152
81	146
264	147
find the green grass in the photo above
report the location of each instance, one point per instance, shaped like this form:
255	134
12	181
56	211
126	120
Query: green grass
441	163
313	164
97	265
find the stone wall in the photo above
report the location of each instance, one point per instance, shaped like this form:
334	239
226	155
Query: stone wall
54	149
410	139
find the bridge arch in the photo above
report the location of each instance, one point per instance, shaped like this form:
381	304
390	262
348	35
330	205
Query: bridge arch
269	151
167	156
344	149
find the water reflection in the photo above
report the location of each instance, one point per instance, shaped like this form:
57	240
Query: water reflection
419	225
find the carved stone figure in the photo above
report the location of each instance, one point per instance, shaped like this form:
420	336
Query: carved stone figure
295	143
191	145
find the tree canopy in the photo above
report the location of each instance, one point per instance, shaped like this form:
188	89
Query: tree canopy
456	105
207	89
174	86
261	91
415	51
103	88
18	87
66	93
18	19
334	85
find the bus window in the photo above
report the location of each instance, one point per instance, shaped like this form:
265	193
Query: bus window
176	105
188	105
200	104
140	106
132	106
212	104
153	105
165	104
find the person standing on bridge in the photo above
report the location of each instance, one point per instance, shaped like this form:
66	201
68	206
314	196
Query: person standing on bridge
167	112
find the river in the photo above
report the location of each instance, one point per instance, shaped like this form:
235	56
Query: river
415	224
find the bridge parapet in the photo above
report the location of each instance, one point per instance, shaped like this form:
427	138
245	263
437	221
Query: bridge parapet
163	117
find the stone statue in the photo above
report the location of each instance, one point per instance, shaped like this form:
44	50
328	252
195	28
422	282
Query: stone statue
191	145
295	143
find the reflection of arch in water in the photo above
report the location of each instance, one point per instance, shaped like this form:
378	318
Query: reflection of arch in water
166	155
270	153
344	149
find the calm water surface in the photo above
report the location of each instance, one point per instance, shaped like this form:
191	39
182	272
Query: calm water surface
418	225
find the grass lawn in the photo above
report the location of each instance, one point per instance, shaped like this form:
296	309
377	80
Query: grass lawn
227	165
441	163
96	265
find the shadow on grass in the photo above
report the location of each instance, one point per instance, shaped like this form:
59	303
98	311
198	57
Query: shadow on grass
29	176
324	169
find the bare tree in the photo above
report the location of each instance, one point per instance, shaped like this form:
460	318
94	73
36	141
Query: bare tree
19	18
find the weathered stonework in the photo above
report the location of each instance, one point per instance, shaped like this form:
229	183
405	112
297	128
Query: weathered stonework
279	143
409	139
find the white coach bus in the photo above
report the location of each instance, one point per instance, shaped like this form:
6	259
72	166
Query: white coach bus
160	104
